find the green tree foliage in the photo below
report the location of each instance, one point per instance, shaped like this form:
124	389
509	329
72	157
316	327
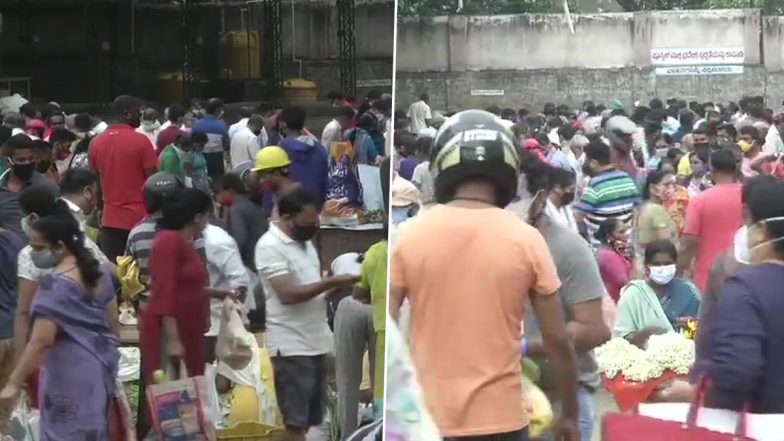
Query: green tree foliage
769	7
431	8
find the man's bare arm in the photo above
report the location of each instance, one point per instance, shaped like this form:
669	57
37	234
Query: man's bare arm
290	292
586	329
395	299
549	315
688	252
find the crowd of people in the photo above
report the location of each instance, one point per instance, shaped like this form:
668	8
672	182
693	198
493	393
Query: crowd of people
166	219
541	235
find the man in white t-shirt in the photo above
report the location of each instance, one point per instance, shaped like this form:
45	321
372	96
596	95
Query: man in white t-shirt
245	143
333	132
298	337
245	113
419	114
226	271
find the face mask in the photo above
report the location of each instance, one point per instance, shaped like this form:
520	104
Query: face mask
701	145
740	245
303	233
745	146
750	238
661	152
148	126
44	259
587	170
567	198
400	214
270	186
25	224
43	166
662	275
23	171
226	199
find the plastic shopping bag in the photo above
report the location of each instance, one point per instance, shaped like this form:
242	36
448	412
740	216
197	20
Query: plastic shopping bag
24	424
370	178
232	348
179	410
213	400
270	412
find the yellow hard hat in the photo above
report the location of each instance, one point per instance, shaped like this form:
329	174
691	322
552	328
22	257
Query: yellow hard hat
271	157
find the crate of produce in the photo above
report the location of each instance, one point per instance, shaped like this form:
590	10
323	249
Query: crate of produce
249	432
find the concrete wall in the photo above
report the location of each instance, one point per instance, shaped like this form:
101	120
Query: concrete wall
534	59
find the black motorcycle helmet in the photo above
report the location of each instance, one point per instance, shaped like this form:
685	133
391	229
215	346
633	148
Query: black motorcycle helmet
474	144
157	187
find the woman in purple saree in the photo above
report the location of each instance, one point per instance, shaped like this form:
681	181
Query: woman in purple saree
72	339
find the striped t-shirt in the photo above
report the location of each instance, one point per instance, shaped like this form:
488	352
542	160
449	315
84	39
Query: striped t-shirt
612	194
140	242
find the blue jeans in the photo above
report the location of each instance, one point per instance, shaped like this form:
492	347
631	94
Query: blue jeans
587	410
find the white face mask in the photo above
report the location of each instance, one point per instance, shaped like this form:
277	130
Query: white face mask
662	275
740	245
26	228
749	240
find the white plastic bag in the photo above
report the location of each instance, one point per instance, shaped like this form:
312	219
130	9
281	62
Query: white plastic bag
232	348
213	401
130	364
25	423
370	178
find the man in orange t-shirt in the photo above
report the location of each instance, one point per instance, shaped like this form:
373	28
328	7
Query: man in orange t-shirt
468	268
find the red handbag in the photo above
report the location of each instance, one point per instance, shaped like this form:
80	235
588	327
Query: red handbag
632	426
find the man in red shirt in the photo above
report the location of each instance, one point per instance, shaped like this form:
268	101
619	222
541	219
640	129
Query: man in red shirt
712	218
171	134
124	160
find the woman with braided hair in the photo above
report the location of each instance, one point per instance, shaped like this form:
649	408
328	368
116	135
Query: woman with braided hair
72	339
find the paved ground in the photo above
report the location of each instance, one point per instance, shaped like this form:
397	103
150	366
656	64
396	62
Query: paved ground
604	403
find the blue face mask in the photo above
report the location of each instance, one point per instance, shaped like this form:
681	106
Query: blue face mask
400	214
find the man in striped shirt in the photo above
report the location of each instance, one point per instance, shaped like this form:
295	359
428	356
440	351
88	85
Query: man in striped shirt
610	193
140	240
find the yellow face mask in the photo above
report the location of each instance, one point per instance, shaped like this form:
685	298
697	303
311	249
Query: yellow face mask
745	146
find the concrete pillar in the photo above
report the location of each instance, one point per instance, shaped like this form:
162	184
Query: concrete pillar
772	45
457	38
752	23
641	39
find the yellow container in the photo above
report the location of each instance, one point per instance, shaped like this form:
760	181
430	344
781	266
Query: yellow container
300	90
170	87
240	55
250	432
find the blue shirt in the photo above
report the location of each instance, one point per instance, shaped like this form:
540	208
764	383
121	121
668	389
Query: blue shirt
558	159
745	347
308	164
10	245
217	133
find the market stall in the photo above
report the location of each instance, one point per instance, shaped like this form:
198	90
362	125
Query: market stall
336	240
